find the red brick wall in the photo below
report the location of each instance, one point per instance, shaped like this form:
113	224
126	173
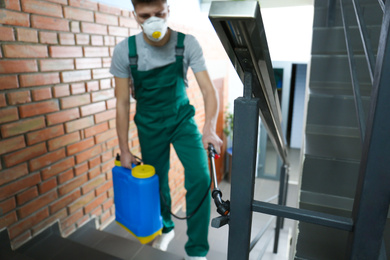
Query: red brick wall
57	113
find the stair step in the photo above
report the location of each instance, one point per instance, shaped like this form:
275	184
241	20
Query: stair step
118	246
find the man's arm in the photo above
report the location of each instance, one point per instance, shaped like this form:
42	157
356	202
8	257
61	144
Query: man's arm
122	94
211	110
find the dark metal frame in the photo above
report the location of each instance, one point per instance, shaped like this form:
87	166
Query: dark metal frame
238	33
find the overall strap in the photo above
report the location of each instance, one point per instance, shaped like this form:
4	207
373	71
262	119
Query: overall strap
180	45
133	57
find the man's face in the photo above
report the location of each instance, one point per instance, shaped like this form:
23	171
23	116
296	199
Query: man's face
144	11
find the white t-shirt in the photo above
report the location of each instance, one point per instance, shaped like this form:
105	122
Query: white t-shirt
151	57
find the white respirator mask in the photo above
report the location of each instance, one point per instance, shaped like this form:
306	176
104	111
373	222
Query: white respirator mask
155	28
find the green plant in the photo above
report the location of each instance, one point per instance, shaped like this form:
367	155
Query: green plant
228	129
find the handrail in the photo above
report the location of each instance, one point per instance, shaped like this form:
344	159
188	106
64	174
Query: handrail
354	79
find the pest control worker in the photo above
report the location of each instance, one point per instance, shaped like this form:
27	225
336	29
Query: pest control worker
152	67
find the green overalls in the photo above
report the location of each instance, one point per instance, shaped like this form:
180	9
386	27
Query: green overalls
164	116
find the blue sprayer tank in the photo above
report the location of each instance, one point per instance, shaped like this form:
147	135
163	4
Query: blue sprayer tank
137	201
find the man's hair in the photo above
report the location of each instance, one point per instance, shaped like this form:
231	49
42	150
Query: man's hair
135	2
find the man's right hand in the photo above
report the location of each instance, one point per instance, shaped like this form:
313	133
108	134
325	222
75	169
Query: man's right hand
127	159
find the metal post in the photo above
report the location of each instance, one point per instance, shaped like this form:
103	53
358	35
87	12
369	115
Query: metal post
373	191
245	134
282	186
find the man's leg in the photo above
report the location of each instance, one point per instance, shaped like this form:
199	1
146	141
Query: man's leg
189	148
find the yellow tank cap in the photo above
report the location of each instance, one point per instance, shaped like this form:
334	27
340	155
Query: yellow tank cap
143	171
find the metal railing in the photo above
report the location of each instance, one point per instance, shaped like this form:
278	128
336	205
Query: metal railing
240	29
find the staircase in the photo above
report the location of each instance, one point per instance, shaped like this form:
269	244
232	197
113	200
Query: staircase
85	243
333	145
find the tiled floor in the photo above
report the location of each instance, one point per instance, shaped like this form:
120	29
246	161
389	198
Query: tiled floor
218	238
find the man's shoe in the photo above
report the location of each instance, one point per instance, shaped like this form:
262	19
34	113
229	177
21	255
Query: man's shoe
162	242
195	258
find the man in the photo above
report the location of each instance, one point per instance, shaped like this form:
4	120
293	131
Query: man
152	67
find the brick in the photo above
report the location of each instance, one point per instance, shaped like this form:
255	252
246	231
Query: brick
96	129
125	13
65	51
37	204
96	212
63	2
96	51
88	154
118	31
75	101
12	174
62	116
107	167
114	143
82	39
12	144
97	40
106	19
101	73
64	201
14	18
94	173
80	169
65	176
92	86
107	156
48	37
2	103
92	184
88	63
128	22
78	88
49	23
40	7
56	64
61	91
63	141
103	188
100	138
22	183
47	159
72	185
95	203
104	116
84	4
38	108
7	205
109	9
75	26
27	195
11	4
71	220
77	75
48	185
108	204
9	82
103	95
27	223
80	146
8	115
25	51
94	162
47	222
7	34
79	124
39	79
22	126
82	221
27	35
67	39
41	94
58	167
111	103
20	97
24	154
109	41
72	13
106	62
93	108
8	220
18	66
93	28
